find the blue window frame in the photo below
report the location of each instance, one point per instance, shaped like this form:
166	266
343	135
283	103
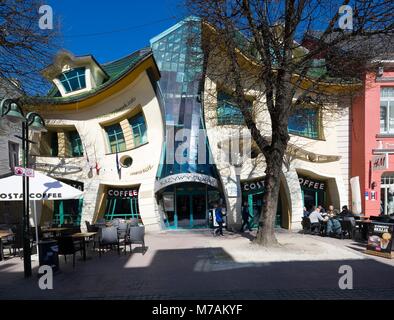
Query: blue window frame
116	139
138	127
228	113
76	144
73	80
305	121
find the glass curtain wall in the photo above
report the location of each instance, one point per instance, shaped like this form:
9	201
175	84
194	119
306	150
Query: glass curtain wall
179	57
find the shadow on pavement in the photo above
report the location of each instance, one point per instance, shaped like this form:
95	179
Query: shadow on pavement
201	273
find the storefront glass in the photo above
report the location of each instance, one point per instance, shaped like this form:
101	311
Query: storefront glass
122	203
313	192
68	211
387	193
186	205
252	194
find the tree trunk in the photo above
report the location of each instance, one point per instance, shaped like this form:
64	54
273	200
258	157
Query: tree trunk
274	159
266	230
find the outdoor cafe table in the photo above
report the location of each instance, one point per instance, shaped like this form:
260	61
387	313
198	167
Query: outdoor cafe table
364	223
83	236
54	231
4	234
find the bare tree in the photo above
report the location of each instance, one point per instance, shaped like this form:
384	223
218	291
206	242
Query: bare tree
261	44
25	49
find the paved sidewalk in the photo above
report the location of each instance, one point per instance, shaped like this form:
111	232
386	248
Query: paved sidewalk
196	265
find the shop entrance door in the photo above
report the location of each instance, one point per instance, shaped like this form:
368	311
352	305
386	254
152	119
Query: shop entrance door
255	203
191	210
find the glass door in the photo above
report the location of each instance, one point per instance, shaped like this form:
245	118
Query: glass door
387	200
199	210
184	215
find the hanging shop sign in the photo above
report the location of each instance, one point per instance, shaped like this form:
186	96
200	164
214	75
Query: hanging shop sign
185	177
311	184
57	169
380	162
27	172
380	239
122	193
250	186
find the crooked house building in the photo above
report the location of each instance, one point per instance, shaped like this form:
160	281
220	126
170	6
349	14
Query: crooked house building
144	137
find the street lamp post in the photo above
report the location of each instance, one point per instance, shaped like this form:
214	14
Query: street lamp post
11	110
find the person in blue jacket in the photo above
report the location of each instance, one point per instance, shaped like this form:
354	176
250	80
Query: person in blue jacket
219	219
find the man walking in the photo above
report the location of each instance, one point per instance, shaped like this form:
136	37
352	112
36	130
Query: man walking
245	217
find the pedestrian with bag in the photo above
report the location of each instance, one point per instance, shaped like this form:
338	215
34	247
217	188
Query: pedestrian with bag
219	219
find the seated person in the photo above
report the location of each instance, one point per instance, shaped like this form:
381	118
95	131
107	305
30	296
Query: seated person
306	213
334	226
322	210
345	212
331	212
315	217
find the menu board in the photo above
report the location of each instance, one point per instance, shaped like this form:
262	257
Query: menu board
380	239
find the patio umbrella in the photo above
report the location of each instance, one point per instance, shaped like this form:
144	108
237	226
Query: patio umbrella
41	187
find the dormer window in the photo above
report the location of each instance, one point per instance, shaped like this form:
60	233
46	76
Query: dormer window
73	80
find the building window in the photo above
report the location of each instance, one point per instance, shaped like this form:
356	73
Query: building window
122	203
68	211
13	155
49	145
75	144
73	80
116	139
387	110
305	121
228	112
138	127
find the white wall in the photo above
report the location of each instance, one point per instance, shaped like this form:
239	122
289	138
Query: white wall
145	158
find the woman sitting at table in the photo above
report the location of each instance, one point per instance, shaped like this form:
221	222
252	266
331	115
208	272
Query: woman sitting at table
333	224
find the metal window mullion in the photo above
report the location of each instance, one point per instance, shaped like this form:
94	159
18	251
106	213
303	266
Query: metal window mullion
113	208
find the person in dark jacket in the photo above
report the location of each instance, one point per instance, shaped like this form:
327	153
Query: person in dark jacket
219	219
345	212
245	217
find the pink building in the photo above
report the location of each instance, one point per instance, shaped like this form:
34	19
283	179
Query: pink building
372	144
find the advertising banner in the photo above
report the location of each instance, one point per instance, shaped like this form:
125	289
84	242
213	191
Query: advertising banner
380	239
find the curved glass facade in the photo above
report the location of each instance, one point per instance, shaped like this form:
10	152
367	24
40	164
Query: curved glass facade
179	57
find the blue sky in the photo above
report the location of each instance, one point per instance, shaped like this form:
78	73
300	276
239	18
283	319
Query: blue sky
137	20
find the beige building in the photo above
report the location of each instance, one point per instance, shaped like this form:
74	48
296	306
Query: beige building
105	135
316	166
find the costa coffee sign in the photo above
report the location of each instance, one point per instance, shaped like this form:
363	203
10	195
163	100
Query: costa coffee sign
122	193
253	185
311	184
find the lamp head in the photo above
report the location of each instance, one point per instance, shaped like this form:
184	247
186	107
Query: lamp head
11	110
35	122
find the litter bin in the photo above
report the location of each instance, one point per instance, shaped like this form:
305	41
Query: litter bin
49	254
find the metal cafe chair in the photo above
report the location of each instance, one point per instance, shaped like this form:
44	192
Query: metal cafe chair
108	237
136	235
67	246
